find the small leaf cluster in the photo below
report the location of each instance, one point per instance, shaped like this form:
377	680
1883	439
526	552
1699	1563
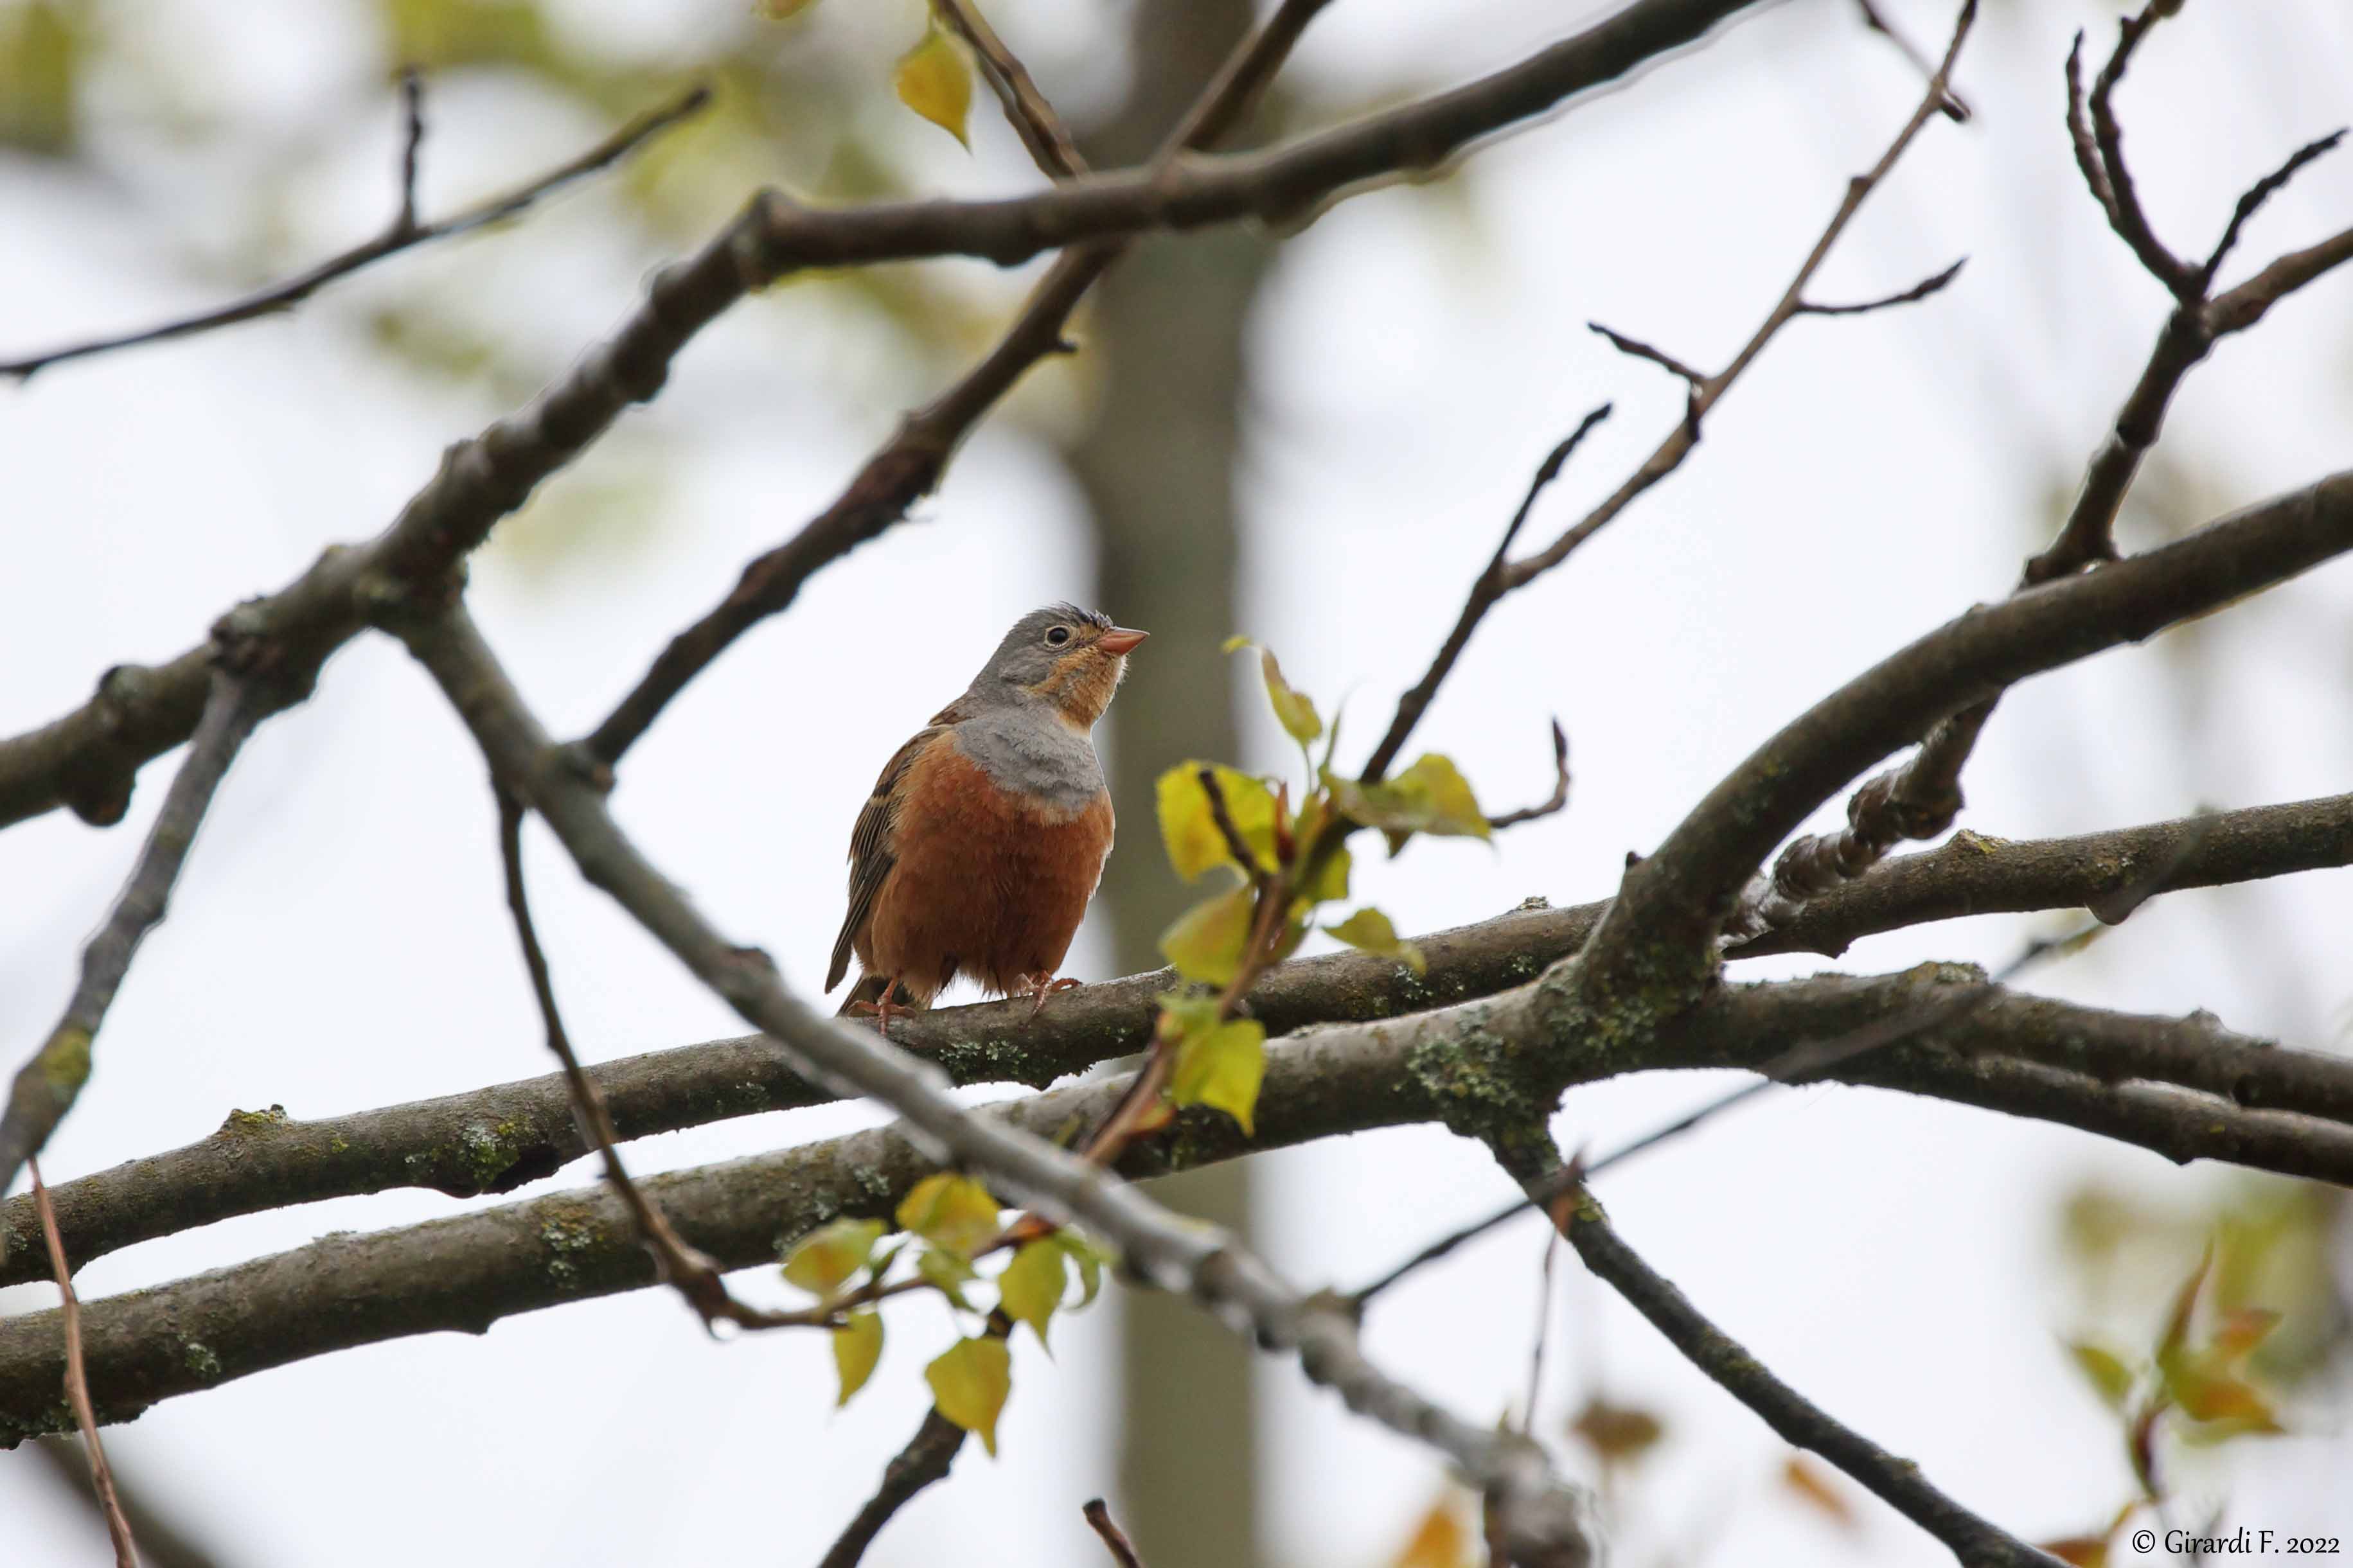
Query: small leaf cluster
951	1223
934	78
1281	862
2193	1383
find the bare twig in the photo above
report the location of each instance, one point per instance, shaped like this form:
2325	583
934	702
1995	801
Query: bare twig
1955	107
2123	202
163	1542
1026	109
1114	1539
925	1459
51	1080
694	1276
1918	291
102	1476
403	232
1493	582
1977	1543
2261	191
1707	391
1557	800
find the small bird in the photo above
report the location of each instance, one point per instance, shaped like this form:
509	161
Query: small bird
988	833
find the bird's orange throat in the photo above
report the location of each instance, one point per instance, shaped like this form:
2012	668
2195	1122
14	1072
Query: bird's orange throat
1081	686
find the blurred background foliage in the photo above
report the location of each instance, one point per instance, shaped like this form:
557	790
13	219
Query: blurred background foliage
1148	423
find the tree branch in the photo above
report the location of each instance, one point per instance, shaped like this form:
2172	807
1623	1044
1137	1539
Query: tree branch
76	1385
1707	391
494	1140
1026	109
924	1461
1482	1068
1672	904
51	1080
404	232
1977	1543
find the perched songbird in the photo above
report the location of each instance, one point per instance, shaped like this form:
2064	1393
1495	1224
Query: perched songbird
987	832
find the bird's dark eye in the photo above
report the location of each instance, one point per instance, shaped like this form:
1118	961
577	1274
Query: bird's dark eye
1057	636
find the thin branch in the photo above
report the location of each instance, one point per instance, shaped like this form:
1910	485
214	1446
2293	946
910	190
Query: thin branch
1955	108
693	1275
101	1475
1555	802
162	1544
1976	1542
1707	391
51	1080
1114	1539
924	1460
403	232
1636	348
89	758
1917	292
412	143
2124	208
1026	109
2261	191
494	1140
1493	582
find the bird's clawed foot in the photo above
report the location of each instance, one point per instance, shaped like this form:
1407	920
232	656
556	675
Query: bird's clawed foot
881	1012
1038	987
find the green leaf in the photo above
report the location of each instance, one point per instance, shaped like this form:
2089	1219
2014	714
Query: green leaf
1331	882
2110	1377
827	1257
1208	942
1032	1285
857	1346
951	1211
1370	930
1220	1066
1293	710
948	1273
934	79
970	1381
1090	1260
1432	796
1189	828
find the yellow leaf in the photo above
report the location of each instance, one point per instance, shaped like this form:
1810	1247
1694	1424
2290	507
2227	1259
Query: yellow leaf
828	1255
1221	1066
1031	1287
1808	1480
1090	1258
934	79
2082	1551
1331	881
951	1211
1208	940
1293	710
948	1273
1432	796
1189	828
970	1381
777	10
857	1347
1370	930
1438	1542
1616	1433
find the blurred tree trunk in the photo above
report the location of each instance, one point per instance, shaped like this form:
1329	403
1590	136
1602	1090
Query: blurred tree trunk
1158	470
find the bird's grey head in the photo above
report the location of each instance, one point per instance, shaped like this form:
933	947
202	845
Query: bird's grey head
1063	656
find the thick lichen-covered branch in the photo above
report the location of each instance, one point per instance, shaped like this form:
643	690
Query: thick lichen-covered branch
496	1139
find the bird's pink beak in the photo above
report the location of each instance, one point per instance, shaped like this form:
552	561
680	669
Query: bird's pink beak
1120	639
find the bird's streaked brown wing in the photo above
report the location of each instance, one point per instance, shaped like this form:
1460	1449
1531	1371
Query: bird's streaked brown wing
870	856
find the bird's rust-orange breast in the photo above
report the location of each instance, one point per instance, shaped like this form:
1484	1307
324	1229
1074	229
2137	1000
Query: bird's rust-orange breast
987	883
